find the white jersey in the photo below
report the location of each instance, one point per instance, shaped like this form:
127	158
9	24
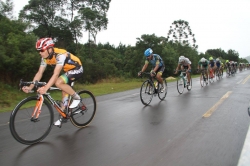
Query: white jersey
186	62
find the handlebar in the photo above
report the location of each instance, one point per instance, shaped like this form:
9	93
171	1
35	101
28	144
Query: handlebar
36	83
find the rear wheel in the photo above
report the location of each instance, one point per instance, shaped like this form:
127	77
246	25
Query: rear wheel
28	130
146	92
83	114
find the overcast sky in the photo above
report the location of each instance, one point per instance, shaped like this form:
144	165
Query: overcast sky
216	24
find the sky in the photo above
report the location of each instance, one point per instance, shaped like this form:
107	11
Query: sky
223	24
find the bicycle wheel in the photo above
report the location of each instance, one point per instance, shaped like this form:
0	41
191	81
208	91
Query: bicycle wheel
82	115
202	80
217	75
146	92
180	85
162	93
233	72
27	130
189	87
227	73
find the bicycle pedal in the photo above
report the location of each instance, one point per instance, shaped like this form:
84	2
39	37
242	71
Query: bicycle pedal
64	120
34	119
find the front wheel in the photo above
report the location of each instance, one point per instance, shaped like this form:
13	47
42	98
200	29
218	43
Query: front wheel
227	72
180	85
83	114
202	80
189	87
146	92
28	130
162	89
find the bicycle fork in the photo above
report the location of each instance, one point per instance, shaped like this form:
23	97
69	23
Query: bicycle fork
37	109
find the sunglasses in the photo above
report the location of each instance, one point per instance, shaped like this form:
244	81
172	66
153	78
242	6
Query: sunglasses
41	50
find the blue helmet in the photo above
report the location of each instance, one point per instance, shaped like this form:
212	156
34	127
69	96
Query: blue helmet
148	52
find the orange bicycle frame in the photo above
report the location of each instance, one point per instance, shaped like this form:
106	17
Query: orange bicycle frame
37	109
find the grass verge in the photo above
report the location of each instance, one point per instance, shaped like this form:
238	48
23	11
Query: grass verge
11	96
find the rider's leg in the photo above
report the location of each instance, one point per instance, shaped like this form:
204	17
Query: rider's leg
159	78
65	100
60	83
188	76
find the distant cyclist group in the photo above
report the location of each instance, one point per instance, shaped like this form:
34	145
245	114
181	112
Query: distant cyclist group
211	68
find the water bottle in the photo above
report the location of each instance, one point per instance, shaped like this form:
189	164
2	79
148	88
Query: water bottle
156	84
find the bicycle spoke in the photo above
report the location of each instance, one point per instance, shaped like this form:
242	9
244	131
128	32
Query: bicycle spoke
82	115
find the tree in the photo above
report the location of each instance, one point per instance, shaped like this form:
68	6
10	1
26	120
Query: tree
180	32
6	9
94	16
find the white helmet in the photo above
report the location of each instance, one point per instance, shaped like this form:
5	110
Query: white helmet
203	60
181	59
217	59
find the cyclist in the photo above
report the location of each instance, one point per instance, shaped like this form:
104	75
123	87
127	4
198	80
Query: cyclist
61	60
158	66
228	65
236	66
233	66
222	68
212	67
184	63
203	64
218	64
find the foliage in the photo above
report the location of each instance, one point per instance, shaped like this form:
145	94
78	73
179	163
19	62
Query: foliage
19	59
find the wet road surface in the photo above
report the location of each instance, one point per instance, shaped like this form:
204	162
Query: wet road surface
172	132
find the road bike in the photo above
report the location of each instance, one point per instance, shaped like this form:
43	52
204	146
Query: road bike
228	71
150	89
218	74
32	119
182	82
203	77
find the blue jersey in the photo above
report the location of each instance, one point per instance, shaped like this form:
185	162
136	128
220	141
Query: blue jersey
218	63
155	60
211	63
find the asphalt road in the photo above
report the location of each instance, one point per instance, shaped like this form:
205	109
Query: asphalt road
202	127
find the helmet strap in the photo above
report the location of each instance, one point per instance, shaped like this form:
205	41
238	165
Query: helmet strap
50	54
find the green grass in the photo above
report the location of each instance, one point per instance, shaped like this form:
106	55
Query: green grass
11	96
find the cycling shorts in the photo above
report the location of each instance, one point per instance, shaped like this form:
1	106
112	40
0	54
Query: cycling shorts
218	65
186	67
160	70
204	66
72	75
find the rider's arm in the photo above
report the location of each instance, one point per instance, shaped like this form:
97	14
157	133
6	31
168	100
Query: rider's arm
54	77
178	66
59	66
144	67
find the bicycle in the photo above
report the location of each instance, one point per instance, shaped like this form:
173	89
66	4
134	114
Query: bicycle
149	88
228	71
182	82
203	78
32	119
218	74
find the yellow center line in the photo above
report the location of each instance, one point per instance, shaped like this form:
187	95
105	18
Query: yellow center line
245	80
212	109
